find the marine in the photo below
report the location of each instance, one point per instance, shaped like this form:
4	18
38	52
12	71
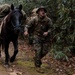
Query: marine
41	27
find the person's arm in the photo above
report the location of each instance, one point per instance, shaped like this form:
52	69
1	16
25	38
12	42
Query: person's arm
49	28
28	26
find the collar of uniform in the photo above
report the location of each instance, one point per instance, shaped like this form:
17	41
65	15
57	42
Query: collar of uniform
41	19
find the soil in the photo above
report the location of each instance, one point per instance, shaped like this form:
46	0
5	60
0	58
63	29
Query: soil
24	63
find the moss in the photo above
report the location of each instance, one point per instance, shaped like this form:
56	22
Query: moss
26	63
29	65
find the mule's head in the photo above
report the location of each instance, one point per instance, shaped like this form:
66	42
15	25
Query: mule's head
16	18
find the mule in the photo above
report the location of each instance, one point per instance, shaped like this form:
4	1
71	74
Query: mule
11	27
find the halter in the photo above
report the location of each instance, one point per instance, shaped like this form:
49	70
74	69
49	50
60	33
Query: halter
9	17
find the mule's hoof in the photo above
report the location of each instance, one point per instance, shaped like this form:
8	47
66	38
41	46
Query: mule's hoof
39	70
6	65
12	59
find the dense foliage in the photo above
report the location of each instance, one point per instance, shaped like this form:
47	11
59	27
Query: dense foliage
62	13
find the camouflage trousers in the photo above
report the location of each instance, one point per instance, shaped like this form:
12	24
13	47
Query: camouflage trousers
41	48
30	39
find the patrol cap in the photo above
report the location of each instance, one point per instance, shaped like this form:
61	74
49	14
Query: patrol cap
41	7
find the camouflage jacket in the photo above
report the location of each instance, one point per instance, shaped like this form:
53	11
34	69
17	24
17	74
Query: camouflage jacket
38	26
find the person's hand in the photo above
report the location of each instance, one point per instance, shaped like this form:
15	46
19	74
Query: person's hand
45	33
26	33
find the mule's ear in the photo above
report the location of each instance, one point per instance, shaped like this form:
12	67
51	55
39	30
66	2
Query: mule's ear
20	6
12	7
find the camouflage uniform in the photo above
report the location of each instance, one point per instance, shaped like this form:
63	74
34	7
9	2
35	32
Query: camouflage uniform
33	15
40	43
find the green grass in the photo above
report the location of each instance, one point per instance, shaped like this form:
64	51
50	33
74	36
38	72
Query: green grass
29	65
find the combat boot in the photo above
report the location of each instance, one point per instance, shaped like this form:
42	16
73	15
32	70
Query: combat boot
39	70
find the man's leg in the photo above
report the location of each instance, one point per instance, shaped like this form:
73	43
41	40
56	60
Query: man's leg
37	58
45	49
30	39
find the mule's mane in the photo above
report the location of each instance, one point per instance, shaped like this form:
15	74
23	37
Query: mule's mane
8	17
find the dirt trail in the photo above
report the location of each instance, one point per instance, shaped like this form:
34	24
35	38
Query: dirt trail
15	68
24	64
3	70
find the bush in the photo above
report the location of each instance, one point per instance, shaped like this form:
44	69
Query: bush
62	13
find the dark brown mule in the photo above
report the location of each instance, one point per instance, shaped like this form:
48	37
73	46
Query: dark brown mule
11	27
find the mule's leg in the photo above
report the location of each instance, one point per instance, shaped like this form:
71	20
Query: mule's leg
15	43
6	45
0	49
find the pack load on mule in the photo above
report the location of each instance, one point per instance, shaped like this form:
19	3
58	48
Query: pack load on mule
4	10
33	12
